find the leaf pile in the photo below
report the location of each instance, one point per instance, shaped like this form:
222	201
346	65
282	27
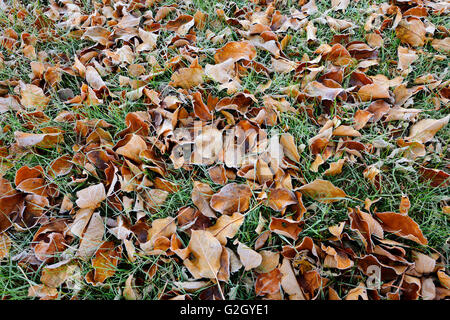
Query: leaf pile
93	176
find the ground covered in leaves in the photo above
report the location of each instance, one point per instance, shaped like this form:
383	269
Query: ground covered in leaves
224	149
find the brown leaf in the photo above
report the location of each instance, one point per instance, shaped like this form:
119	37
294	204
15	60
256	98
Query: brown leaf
222	72
43	140
104	263
442	45
402	226
130	292
405	204
131	147
405	57
335	168
97	34
280	198
411	31
374	40
56	274
373	91
436	178
358	293
336	258
365	226
92	237
323	191
5	245
286	227
201	197
200	109
232	198
33	97
218	174
61	166
236	50
226	227
91	197
268	283
289	147
187	78
249	258
181	24
289	282
424	130
205	252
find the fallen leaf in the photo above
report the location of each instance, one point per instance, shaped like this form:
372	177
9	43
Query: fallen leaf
249	258
323	191
402	226
231	198
205	252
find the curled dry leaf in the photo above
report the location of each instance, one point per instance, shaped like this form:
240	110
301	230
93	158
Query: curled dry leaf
335	168
5	245
442	45
130	292
61	166
58	273
33	97
97	34
43	140
289	147
336	258
436	178
218	174
289	283
131	147
270	261
339	101
373	91
222	72
268	283
280	198
405	57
